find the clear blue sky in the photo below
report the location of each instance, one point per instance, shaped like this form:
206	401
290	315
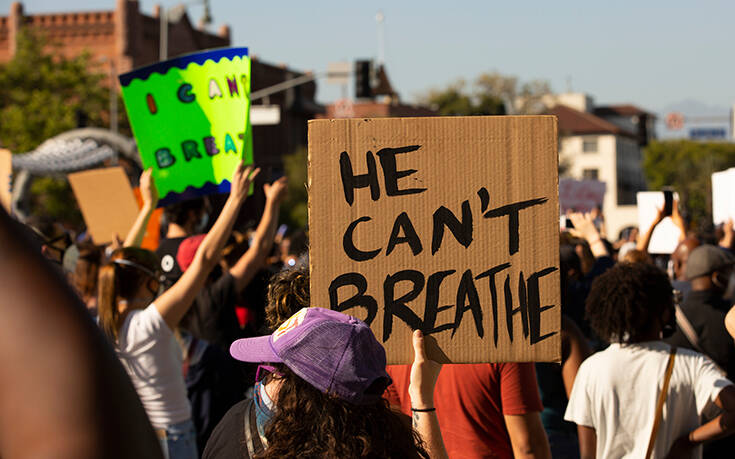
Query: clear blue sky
655	54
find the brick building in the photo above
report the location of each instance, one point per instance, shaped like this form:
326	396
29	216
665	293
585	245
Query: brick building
122	39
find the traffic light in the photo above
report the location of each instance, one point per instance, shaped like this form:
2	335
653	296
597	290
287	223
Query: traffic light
363	76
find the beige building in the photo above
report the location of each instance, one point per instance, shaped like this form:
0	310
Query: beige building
604	143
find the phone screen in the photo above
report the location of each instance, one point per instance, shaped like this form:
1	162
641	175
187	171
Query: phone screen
668	202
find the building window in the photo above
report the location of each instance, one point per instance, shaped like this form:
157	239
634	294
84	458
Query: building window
589	145
590	174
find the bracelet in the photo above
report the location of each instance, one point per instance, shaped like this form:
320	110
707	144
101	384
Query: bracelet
423	410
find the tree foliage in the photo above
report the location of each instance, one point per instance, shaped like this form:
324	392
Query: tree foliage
687	166
45	94
295	208
490	94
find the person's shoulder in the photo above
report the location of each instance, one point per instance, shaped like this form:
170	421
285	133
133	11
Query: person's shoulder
228	436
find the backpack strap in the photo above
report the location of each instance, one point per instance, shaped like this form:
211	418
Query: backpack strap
250	428
661	400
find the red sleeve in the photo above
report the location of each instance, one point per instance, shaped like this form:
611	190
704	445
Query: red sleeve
519	389
392	392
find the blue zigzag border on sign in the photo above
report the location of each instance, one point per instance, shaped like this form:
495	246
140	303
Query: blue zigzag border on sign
191	192
182	62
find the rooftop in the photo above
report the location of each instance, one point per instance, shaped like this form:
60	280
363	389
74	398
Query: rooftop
575	122
622	110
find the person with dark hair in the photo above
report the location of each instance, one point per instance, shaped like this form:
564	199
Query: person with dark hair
213	317
184	219
288	292
577	280
63	392
639	381
700	320
84	267
322	396
679	260
141	329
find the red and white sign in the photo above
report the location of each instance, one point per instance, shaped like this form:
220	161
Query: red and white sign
674	121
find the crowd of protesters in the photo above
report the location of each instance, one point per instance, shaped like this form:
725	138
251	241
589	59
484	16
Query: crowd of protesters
217	339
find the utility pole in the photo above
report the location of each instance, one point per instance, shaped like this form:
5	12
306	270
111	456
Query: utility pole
380	19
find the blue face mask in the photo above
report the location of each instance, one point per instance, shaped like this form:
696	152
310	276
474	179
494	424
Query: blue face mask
264	407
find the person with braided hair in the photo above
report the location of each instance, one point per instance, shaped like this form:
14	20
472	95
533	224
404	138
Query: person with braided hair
615	394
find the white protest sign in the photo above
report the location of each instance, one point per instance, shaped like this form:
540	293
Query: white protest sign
665	237
723	196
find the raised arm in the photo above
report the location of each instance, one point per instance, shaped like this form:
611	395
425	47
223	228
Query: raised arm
175	301
678	220
584	227
254	258
645	239
149	193
424	373
726	241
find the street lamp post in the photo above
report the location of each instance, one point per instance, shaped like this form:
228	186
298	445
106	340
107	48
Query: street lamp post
163	18
113	93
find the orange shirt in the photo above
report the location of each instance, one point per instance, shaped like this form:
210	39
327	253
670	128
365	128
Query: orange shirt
470	403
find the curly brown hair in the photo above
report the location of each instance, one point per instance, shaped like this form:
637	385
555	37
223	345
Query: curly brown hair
310	424
625	301
288	292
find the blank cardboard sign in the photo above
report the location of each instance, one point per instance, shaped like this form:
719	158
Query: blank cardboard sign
6	174
448	225
107	202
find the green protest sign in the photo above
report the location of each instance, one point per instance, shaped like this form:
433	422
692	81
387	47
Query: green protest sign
191	119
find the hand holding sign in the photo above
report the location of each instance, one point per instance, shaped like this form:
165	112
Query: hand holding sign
424	373
148	190
446	225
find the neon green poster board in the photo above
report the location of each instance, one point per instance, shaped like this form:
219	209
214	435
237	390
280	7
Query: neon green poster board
191	119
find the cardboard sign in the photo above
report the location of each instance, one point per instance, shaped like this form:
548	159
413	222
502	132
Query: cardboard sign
191	118
6	179
723	192
448	225
107	202
580	195
665	237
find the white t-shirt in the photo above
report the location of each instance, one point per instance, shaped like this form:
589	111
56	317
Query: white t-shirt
616	391
152	358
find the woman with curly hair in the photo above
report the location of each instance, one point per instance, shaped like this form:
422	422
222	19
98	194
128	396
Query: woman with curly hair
323	396
617	392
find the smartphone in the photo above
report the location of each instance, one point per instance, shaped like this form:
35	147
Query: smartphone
668	202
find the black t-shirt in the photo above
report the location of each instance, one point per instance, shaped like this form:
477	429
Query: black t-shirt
229	439
166	251
212	317
706	311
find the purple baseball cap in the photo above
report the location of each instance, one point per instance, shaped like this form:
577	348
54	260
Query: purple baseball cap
336	353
